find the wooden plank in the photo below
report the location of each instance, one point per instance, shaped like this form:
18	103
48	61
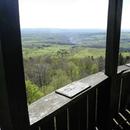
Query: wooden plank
102	117
78	115
46	107
115	94
61	120
124	92
91	109
4	115
34	128
13	108
84	113
125	97
74	115
48	125
105	112
73	89
123	68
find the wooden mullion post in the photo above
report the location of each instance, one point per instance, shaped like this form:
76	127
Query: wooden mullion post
13	103
113	36
112	51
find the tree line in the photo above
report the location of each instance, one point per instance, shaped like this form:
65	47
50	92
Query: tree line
45	74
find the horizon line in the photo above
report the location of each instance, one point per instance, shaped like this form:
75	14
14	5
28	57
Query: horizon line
102	29
59	28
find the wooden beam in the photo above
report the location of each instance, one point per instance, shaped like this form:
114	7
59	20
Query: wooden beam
13	103
113	36
112	51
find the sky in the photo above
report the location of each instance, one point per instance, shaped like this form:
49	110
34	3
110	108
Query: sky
90	14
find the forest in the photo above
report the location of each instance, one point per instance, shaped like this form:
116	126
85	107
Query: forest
57	58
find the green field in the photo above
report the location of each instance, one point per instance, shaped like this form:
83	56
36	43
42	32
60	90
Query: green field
77	52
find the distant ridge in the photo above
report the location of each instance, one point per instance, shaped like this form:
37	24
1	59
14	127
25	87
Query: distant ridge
85	37
63	29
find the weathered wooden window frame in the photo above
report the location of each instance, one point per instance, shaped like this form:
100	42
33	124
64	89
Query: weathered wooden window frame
13	108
